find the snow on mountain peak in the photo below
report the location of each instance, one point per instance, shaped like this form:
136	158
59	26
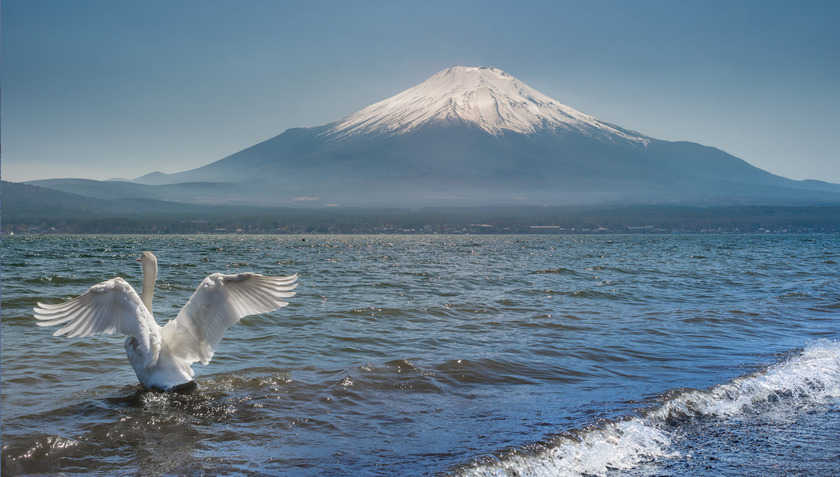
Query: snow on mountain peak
484	97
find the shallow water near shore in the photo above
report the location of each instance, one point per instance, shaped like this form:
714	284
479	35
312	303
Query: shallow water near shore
444	355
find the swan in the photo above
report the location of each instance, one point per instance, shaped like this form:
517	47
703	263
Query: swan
161	355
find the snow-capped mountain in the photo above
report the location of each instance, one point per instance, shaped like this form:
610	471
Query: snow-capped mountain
468	136
487	98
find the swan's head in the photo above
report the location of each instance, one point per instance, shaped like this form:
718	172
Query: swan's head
147	259
149	263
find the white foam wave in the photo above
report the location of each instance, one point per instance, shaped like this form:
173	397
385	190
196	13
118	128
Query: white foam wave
808	379
612	446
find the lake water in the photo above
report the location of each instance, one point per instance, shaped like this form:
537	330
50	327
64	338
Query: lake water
444	355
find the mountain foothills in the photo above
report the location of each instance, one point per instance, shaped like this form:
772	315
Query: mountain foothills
30	209
466	137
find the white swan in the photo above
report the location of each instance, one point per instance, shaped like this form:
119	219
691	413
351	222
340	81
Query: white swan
161	356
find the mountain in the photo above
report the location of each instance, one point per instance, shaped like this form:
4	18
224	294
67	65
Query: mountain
470	136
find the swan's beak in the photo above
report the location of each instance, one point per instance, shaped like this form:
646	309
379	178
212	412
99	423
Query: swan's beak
138	259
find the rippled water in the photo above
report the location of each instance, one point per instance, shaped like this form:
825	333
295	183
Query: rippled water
464	355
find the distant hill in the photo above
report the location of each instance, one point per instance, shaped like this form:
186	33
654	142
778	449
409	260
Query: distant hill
25	207
23	201
30	209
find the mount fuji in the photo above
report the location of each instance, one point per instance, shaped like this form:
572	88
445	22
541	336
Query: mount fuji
468	136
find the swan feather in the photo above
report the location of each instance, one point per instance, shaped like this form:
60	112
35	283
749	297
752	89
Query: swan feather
218	302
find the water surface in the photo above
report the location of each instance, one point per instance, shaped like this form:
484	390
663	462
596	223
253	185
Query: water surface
427	355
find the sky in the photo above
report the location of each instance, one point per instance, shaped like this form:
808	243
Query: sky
105	89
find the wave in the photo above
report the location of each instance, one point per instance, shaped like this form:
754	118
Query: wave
652	436
556	271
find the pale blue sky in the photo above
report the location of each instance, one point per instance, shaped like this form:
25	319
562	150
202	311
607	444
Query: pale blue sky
110	88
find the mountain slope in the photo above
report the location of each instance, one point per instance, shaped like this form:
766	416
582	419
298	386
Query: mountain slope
471	136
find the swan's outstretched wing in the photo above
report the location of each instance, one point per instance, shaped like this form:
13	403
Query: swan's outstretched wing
108	307
220	301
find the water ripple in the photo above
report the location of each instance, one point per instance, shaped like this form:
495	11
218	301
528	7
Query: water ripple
421	355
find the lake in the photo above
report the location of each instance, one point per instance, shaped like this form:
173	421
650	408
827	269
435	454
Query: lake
443	355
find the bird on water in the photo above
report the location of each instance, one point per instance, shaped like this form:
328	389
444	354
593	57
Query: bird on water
162	355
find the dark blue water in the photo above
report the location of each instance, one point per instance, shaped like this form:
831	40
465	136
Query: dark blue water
424	355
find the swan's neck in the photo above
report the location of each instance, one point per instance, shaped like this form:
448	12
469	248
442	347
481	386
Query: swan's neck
149	277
